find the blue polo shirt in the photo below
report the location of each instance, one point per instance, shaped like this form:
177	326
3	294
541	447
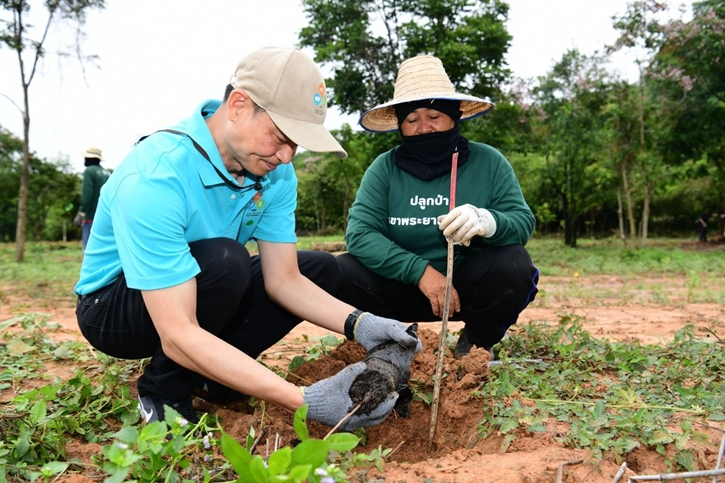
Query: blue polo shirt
165	195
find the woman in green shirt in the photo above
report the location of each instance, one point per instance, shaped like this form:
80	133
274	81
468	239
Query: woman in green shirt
400	221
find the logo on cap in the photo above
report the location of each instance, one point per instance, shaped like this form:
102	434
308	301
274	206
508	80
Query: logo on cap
319	97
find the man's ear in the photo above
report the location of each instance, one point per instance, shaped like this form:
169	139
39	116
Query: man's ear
237	101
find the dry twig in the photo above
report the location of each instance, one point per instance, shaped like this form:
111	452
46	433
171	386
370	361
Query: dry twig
259	438
347	416
446	308
560	473
441	349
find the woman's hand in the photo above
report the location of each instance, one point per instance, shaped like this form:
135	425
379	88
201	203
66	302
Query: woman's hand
433	286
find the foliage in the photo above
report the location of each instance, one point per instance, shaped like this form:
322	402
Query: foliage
364	42
53	194
571	101
690	69
307	461
615	396
29	46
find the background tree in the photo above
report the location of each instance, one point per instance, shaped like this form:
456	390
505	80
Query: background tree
571	100
53	193
643	32
18	34
364	41
690	70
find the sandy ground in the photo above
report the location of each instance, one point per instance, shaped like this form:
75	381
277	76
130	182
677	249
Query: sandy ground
647	309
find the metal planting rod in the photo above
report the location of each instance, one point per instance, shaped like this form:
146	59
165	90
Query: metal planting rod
446	306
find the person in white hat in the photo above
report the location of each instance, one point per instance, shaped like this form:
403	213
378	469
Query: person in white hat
94	177
166	274
400	220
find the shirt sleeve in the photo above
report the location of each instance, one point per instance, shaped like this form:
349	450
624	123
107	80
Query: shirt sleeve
86	191
515	221
366	236
149	216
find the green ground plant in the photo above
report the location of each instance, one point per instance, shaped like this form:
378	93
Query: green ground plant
614	396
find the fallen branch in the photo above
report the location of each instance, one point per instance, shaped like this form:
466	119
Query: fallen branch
258	439
396	449
560	473
677	476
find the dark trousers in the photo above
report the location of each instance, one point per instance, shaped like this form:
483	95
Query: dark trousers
231	304
494	285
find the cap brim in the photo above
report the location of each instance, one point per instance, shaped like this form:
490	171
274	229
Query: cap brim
310	135
382	118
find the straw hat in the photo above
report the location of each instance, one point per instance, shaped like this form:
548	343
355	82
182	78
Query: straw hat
93	153
419	78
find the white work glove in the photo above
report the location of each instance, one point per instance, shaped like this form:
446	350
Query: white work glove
466	221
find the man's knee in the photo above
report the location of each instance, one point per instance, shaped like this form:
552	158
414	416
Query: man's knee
225	264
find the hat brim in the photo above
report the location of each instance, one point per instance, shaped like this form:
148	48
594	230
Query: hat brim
382	118
93	156
310	135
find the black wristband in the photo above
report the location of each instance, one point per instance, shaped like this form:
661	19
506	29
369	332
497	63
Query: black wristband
350	324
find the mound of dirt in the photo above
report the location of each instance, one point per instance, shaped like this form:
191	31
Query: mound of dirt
457	453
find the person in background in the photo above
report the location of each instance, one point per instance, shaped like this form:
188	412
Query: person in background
702	223
94	177
167	275
400	221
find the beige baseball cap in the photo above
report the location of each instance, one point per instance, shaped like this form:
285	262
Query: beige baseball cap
289	86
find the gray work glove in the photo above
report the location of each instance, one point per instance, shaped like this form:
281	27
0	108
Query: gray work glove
371	331
78	219
464	222
329	401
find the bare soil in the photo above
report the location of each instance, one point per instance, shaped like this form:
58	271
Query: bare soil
647	309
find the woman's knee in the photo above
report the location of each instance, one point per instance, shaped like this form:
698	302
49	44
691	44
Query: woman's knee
322	268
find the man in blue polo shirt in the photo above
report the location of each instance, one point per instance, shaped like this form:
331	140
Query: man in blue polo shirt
166	274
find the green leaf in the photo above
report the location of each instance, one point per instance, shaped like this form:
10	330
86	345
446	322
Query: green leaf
300	422
279	461
296	363
237	455
300	472
342	442
18	347
127	434
508	425
330	340
38	412
54	467
258	471
311	451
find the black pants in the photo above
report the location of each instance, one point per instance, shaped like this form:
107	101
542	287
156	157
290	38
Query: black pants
231	304
494	285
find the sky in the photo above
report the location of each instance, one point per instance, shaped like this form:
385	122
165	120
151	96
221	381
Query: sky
158	59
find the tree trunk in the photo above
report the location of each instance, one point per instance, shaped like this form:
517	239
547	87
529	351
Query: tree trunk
620	216
647	182
628	199
645	213
24	180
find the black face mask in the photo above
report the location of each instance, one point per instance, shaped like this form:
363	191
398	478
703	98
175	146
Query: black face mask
428	156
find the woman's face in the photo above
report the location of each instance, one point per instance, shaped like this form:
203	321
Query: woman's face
425	121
